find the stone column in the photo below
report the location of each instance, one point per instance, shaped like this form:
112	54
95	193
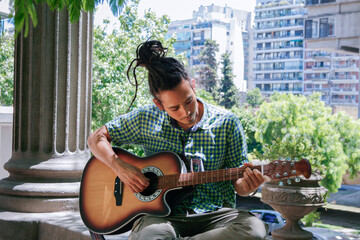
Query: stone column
52	114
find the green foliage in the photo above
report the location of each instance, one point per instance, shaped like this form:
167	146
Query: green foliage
206	96
301	127
25	10
113	53
228	90
6	69
254	97
349	131
208	72
248	121
311	218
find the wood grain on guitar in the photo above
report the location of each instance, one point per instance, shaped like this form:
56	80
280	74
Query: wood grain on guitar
107	206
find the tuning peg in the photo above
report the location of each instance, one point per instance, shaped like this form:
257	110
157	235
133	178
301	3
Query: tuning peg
281	183
288	159
292	164
283	163
297	179
276	162
293	172
285	174
296	159
277	175
288	181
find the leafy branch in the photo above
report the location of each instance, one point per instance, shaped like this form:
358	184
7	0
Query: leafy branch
25	10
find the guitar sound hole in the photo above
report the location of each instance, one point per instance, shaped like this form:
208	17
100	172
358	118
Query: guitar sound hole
154	182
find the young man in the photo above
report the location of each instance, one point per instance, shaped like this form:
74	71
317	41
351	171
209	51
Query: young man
207	138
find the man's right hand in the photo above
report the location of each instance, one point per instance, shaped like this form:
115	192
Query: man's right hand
130	175
99	143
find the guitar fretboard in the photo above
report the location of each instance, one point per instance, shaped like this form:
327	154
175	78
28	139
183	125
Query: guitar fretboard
190	179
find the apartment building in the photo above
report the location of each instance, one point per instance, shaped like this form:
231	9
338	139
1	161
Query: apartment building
335	75
228	27
333	26
279	50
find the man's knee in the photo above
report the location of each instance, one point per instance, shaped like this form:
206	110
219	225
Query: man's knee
250	228
152	228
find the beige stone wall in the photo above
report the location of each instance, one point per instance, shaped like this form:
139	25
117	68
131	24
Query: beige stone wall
348	181
350	110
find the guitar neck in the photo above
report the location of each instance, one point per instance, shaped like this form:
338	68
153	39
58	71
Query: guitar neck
190	179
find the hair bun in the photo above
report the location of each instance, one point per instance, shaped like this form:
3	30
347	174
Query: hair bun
148	51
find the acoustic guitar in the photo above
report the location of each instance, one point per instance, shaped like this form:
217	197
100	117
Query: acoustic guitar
107	206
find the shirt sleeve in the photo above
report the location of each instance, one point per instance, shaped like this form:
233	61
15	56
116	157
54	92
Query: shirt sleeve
236	153
125	128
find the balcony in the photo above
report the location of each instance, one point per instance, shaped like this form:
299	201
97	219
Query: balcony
267	80
282	90
316	2
277	37
280	48
317	79
277	58
263	27
277	15
348	90
280	4
344	101
278	68
346	66
319	56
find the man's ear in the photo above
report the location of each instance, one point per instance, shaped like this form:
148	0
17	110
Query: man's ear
158	104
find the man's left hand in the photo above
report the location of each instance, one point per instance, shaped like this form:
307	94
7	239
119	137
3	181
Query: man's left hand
251	181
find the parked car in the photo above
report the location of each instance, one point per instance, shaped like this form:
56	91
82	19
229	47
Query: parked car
271	217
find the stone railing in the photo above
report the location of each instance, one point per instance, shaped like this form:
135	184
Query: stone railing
6	119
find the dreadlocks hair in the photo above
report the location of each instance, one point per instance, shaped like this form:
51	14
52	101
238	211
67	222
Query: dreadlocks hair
164	73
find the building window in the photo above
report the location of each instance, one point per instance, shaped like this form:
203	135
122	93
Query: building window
308	29
311	2
327	1
324	28
331	26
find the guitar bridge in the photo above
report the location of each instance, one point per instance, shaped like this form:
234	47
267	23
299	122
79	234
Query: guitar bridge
118	191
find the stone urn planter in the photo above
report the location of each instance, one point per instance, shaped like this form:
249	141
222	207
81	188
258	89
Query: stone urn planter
293	200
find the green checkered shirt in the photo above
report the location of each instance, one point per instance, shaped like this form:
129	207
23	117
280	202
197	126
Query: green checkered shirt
218	140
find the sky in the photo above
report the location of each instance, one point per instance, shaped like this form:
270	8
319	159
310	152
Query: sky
176	9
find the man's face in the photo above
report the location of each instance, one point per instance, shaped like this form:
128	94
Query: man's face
180	103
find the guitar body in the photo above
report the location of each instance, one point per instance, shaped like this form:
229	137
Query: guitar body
105	211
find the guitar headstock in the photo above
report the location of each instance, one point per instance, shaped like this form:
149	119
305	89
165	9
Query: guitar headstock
280	169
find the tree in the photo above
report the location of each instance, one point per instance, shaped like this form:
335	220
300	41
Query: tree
228	90
248	121
254	97
6	69
208	72
112	93
302	127
349	131
25	10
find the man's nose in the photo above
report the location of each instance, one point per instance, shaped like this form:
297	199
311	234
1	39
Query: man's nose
186	111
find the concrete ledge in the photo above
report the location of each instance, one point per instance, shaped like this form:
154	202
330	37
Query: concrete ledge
66	225
42	226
